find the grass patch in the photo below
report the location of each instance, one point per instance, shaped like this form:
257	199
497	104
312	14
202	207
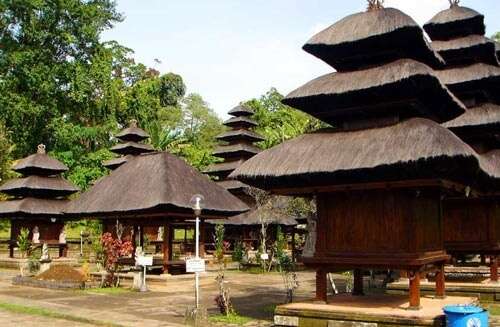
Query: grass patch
494	310
42	312
230	319
269	308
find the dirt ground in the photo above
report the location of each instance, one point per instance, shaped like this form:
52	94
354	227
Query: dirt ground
253	295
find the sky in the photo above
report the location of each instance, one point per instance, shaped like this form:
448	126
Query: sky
230	51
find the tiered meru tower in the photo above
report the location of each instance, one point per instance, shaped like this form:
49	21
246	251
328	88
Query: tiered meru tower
131	144
472	73
237	147
380	175
37	199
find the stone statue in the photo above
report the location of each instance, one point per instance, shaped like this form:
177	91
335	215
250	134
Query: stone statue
36	236
310	246
45	252
159	236
62	236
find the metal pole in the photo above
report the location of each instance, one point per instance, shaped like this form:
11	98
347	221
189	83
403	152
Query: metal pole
197	282
81	243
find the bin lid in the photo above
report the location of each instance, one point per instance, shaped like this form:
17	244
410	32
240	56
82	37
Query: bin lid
463	309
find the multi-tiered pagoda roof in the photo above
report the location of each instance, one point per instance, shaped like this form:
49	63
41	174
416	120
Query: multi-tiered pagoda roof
472	73
237	147
131	144
40	191
386	100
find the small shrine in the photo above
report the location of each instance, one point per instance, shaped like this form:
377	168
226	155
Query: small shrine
379	175
37	200
472	73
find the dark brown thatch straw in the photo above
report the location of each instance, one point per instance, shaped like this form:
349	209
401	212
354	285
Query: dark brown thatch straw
226	166
38	186
455	22
240	134
155	183
133	148
39	164
467	50
240	121
241	110
32	208
481	116
372	38
226	150
377	91
414	149
132	133
115	163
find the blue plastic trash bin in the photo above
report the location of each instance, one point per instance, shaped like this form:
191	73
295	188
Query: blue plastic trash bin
465	316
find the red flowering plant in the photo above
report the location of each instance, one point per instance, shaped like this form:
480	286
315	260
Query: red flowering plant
113	250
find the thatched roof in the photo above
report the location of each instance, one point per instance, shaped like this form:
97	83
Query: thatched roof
242	149
479	80
241	110
481	116
154	183
39	164
467	50
377	92
240	134
132	133
132	148
240	122
455	22
222	167
497	48
32	208
38	186
116	162
415	149
372	38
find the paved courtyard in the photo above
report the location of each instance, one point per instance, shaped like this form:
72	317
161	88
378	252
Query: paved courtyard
253	295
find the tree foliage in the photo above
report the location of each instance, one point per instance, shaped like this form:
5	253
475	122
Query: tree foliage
278	122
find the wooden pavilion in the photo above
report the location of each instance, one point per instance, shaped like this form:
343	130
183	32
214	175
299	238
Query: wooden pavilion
380	174
154	190
37	200
472	73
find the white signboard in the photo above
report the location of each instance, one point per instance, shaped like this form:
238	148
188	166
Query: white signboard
144	261
264	256
195	265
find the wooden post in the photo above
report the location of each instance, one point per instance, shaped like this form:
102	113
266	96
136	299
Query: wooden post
494	268
294	258
141	237
165	247
171	232
134	241
12	239
202	238
321	285
414	277
440	282
358	282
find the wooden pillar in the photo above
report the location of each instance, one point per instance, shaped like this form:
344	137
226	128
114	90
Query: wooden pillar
141	237
12	239
202	238
165	247
171	232
494	268
414	295
358	282
321	285
440	282
134	241
294	259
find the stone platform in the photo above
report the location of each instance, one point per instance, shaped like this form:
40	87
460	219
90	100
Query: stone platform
366	311
14	263
486	291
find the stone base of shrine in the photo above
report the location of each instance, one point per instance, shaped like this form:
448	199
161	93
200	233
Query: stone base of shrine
485	291
366	311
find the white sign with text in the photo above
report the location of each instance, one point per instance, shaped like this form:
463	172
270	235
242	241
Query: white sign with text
195	265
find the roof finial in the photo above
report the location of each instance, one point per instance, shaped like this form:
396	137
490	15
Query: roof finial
133	123
40	149
376	4
454	3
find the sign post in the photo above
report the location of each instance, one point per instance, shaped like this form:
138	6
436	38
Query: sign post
144	261
196	265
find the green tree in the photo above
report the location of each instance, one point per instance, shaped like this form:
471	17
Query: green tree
496	37
5	153
278	122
